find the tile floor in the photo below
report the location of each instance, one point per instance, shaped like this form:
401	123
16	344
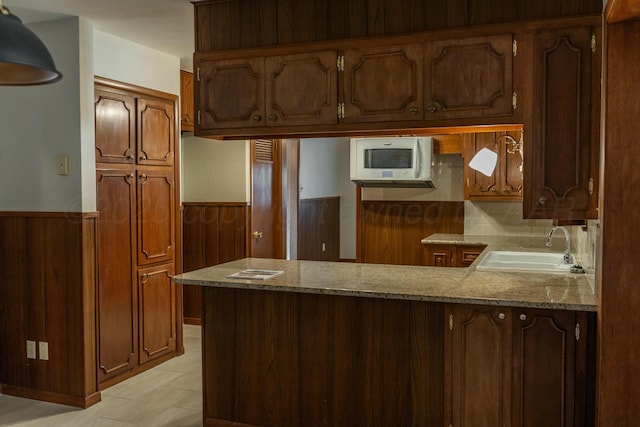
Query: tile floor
168	395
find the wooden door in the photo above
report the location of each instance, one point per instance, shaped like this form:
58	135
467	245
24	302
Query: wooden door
115	121
156	132
156	220
117	303
478	366
266	227
476	184
469	77
302	89
544	378
157	320
230	94
562	162
383	83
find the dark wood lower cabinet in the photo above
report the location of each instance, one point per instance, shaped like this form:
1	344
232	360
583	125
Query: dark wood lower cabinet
295	359
518	367
450	255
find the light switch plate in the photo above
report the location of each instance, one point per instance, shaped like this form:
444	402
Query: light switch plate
31	349
44	350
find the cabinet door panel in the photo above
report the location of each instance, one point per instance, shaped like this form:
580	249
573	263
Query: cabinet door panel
561	157
186	101
302	89
115	121
469	77
478	352
230	93
157	320
383	83
116	295
544	382
156	135
156	223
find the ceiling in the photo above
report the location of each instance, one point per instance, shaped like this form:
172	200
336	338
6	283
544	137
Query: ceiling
164	25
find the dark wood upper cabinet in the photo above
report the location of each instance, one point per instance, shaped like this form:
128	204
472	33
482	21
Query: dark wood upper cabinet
562	156
302	89
505	184
115	118
187	106
383	83
279	90
230	93
470	77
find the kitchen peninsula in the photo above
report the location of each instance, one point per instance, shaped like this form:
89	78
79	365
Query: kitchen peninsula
348	344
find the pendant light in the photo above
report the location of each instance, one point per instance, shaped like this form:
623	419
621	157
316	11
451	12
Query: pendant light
24	59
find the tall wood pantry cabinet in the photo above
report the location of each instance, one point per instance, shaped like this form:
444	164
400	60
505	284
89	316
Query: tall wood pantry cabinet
138	307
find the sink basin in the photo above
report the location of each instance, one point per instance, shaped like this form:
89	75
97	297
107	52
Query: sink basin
524	261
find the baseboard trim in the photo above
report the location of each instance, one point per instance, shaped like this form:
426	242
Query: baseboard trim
48	396
214	422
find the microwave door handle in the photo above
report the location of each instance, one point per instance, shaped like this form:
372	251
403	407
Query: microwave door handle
417	167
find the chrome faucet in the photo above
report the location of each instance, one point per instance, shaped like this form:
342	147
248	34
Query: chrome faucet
568	259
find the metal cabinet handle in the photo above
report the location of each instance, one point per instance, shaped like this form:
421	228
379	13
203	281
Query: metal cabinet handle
143	158
130	157
432	108
523	317
542	200
257	234
273	117
501	316
256	117
413	110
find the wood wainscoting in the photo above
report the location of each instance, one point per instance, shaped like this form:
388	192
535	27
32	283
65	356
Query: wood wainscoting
213	233
390	232
47	295
319	229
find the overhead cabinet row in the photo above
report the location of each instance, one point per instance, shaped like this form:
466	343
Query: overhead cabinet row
461	78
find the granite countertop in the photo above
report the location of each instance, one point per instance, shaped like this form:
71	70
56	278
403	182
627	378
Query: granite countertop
438	284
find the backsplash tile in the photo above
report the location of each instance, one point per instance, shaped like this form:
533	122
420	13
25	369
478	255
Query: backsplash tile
501	219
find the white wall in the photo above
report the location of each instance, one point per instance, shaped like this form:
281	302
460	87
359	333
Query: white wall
41	122
215	171
324	172
119	59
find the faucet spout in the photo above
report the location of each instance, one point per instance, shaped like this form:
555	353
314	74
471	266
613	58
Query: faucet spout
568	259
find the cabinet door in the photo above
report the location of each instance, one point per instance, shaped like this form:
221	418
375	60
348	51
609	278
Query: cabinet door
469	77
186	101
156	132
115	121
466	254
157	320
302	89
230	94
117	303
477	366
383	83
544	377
438	255
561	161
156	207
506	181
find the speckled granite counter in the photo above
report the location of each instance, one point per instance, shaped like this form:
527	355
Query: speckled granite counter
454	285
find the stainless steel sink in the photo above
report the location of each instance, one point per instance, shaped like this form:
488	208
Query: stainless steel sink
525	261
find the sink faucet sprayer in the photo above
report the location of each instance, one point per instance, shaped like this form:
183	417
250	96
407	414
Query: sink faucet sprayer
567	251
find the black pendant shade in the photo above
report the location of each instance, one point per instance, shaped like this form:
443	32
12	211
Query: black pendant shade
24	59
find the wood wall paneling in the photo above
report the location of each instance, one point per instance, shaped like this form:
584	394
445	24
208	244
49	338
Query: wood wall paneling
256	23
319	229
330	360
48	282
213	233
391	231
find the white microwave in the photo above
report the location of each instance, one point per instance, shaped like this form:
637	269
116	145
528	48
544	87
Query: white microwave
400	161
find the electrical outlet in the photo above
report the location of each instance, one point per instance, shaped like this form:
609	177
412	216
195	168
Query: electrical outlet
44	350
324	247
62	164
31	349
